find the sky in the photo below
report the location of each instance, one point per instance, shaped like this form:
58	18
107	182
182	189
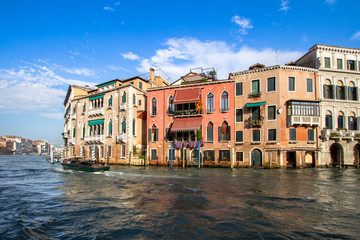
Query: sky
47	45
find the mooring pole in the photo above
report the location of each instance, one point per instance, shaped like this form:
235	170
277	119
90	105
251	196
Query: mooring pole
198	154
171	154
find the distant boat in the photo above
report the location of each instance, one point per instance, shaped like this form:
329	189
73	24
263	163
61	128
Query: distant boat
78	165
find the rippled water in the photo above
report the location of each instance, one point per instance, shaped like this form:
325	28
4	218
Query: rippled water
42	201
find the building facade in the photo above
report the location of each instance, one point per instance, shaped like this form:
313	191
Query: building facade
183	118
339	80
277	116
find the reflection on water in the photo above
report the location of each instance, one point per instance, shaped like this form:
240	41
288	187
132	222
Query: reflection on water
44	201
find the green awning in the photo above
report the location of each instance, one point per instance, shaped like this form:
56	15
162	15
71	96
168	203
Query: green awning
256	104
95	122
96	97
105	84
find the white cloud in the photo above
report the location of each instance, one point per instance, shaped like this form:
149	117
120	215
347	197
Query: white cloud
38	88
81	71
182	54
330	2
284	5
109	9
356	36
117	3
130	56
76	52
243	23
117	68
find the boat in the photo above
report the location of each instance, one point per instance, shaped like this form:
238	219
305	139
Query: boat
79	165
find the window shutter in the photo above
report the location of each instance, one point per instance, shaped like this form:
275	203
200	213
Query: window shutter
356	93
324	90
357	123
337	92
331	122
349	123
241	87
156	134
237	89
345	92
167	134
219	132
149	132
333	92
228	134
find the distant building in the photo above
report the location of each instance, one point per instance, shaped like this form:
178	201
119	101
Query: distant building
339	81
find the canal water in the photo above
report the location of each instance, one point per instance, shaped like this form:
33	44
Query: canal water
42	201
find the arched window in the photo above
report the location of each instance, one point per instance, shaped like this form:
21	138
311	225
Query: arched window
224	102
110	128
210	103
84	131
328	90
124	97
224	132
154	107
123	125
134	127
210	132
153	134
84	107
352	122
341	123
74	132
171	105
340	90
110	101
328	120
134	99
353	91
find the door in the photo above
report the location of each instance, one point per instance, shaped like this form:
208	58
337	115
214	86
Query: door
256	158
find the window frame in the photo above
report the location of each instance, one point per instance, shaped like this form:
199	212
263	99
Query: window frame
236	136
312	135
252	136
242	115
327	62
290	138
307	85
267	84
289	90
151	154
275	117
239	88
275	135
210	105
242	156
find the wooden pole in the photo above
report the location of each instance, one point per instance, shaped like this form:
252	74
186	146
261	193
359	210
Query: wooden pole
183	157
231	158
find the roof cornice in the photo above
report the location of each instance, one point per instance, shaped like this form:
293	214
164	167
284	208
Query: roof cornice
276	67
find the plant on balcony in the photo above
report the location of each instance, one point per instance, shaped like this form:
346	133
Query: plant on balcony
185	144
135	150
193	144
202	142
335	135
177	144
199	134
357	135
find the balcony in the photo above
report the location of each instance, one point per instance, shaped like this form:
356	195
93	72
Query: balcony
304	120
121	138
339	135
71	141
94	139
95	112
255	122
73	116
255	94
65	135
187	113
122	107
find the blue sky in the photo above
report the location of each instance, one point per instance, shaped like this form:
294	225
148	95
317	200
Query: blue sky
47	45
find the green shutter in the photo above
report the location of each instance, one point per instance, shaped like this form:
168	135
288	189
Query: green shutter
333	92
324	90
149	134
156	134
345	92
219	132
356	93
228	137
356	123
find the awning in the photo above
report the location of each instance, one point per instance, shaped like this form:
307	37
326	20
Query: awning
187	95
96	97
95	122
186	124
256	104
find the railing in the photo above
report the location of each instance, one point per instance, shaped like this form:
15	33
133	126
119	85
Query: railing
255	94
96	112
255	122
95	139
340	134
122	107
187	112
305	120
73	115
121	137
71	141
65	135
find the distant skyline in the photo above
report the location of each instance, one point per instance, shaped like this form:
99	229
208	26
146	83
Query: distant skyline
47	45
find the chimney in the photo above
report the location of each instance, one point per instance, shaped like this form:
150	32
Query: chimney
152	74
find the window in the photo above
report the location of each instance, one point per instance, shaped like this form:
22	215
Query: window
123	150
256	135
140	85
328	120
305	108
351	65
153	134
224	102
134	99
340	91
271	85
210	132
291	84
272	135
341	120
183	154
153	107
171	105
292	133
311	137
309	85
153	154
110	101
239	156
328	90
171	156
352	122
74	110
327	62
239	88
74	132
224	132
139	102
353	91
271	112
210	103
209	155
124	97
225	155
239	136
109	151
84	131
84	108
110	128
339	63
134	127
255	87
239	115
123	125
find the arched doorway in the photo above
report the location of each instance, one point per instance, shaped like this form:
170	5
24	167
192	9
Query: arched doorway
256	158
195	156
357	155
336	154
97	153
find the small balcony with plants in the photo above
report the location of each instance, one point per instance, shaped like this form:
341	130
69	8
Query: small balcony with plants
255	122
188	110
